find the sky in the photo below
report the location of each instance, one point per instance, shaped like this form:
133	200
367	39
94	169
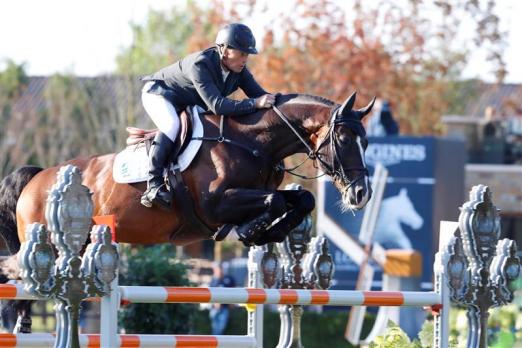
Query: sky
84	37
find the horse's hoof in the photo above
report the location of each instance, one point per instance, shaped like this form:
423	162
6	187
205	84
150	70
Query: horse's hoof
23	325
274	237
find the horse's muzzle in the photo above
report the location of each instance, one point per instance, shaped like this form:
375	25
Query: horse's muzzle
357	195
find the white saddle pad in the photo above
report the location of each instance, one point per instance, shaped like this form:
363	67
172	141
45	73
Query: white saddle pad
132	164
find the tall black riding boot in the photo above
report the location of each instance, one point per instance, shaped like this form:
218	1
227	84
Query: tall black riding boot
159	156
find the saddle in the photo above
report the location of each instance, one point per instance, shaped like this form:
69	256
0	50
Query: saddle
138	135
180	192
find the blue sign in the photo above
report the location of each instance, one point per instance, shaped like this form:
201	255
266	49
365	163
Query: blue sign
409	213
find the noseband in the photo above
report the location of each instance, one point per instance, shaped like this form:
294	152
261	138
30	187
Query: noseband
316	155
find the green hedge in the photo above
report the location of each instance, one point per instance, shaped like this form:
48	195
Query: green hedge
157	265
318	329
151	266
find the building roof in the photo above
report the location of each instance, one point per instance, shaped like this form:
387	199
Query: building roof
506	99
119	90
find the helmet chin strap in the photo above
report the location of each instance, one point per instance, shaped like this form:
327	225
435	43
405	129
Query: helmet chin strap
221	51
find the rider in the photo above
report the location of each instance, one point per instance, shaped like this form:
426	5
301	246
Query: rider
205	79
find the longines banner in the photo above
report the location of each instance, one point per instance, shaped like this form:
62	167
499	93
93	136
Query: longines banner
425	185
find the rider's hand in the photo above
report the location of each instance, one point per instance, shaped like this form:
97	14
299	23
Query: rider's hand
265	101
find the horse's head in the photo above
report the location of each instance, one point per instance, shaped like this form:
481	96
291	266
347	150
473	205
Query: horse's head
340	152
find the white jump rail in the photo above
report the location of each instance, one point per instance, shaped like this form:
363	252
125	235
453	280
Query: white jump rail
158	294
163	294
46	340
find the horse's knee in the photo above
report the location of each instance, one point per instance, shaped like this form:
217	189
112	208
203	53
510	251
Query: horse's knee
276	204
306	202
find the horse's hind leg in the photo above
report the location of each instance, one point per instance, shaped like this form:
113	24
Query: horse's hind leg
10	190
11	309
24	321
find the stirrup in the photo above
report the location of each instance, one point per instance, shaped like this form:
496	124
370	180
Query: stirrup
153	196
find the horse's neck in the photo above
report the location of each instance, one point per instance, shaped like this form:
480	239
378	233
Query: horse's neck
276	138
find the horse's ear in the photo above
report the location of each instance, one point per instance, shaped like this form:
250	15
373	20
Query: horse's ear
366	110
403	192
348	104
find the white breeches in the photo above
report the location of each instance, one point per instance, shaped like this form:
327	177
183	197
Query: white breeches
161	111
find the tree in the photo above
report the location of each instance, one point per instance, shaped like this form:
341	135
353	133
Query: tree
381	49
407	53
168	36
13	81
62	117
404	53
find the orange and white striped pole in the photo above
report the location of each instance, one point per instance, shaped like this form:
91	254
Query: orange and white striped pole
160	294
44	340
15	291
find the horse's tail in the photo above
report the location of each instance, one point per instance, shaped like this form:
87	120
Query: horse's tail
10	189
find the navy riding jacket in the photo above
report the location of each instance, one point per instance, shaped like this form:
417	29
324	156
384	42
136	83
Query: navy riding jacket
197	79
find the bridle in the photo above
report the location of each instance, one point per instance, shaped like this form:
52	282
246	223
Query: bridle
336	170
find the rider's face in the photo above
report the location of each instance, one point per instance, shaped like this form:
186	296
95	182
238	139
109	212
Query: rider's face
234	60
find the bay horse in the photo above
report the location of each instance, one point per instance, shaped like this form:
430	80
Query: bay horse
228	184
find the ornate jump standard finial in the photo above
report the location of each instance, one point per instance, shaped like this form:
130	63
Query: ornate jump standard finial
69	279
480	266
300	269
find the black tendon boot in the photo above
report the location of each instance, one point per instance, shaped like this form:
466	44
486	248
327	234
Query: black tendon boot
304	203
159	156
251	231
278	232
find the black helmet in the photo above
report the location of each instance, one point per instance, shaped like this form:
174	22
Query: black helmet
237	36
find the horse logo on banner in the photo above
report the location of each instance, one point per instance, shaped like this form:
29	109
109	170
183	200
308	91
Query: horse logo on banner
396	211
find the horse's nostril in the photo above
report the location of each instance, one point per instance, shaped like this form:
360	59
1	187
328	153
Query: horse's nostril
359	195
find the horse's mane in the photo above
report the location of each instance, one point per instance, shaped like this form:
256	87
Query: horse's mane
303	98
288	99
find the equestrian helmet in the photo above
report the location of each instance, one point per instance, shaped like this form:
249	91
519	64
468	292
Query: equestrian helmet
238	36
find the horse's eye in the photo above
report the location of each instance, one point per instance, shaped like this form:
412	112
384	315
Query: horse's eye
344	138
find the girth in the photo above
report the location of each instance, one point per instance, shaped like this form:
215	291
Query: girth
191	221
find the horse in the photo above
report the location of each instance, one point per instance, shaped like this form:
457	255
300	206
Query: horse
397	210
231	183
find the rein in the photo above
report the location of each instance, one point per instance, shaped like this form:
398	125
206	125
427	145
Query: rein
221	139
312	154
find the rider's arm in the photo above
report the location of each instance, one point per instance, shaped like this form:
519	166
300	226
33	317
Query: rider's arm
207	89
249	85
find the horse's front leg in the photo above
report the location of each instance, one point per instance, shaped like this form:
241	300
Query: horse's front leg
255	210
300	204
250	211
